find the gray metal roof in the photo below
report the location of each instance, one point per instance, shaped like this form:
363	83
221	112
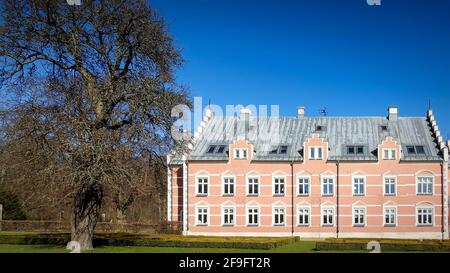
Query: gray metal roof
338	131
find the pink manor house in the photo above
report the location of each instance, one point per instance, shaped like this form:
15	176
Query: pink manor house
379	177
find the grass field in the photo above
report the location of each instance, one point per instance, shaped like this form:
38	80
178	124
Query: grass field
297	247
33	242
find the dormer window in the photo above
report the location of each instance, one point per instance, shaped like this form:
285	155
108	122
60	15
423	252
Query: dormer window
350	150
221	149
320	128
282	150
420	150
355	150
211	149
415	150
216	149
383	128
359	150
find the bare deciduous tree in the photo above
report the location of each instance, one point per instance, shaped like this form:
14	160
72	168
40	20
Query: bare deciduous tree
94	86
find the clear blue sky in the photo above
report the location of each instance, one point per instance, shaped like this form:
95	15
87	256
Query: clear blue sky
345	55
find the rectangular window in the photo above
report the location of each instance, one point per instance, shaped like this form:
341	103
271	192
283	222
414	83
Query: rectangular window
420	150
393	155
359	216
425	216
202	186
240	153
303	186
283	149
315	153
389	154
221	149
228	186
327	217
389	185
390	216
253	186
424	185
253	216
202	216
359	186
360	150
413	150
278	186
355	150
228	216
278	216
211	149
351	150
327	186
303	216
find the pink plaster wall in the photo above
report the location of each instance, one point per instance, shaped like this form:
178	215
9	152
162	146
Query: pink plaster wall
405	199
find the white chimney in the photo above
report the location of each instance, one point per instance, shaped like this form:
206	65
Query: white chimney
244	120
301	111
392	112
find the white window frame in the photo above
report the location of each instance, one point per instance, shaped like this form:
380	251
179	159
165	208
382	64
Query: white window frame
248	185
223	215
274	208
239	153
322	214
309	185
197	180
308	216
284	185
432	216
322	185
364	209
384	185
247	216
197	214
392	153
316	152
417	184
223	185
384	216
364	185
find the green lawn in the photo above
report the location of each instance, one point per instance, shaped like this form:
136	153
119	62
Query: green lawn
303	246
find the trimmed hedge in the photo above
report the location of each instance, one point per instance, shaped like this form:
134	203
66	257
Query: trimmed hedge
126	239
386	245
101	227
34	238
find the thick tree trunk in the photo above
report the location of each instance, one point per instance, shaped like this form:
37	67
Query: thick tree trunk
86	213
83	231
